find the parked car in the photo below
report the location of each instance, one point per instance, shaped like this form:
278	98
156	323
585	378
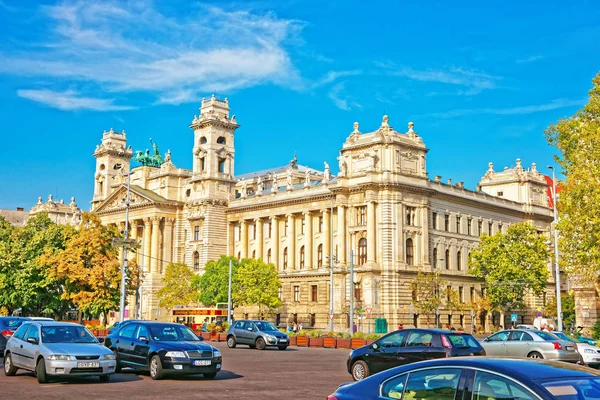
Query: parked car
525	326
408	346
256	334
8	326
477	378
590	355
40	319
584	339
117	325
531	344
52	349
163	349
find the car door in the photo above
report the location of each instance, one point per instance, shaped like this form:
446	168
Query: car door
15	344
488	385
240	332
518	344
430	384
141	346
124	343
495	345
30	347
419	346
386	354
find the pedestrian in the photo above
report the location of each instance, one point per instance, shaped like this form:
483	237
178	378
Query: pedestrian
294	327
401	326
500	327
299	326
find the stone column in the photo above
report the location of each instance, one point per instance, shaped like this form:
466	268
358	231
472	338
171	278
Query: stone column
259	237
134	238
371	233
154	261
168	240
291	242
326	234
231	239
244	238
308	240
147	244
275	241
341	234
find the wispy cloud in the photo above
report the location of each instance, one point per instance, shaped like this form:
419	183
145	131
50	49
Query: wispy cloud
70	100
340	98
332	76
473	81
530	59
553	105
131	47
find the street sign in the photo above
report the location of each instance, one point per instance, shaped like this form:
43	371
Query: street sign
513	317
330	316
539	314
368	310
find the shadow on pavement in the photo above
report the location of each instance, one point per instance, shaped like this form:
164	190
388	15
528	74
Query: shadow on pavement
78	380
221	376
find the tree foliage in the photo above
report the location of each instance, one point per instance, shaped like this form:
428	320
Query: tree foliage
577	139
511	263
213	284
567	307
257	283
177	287
426	297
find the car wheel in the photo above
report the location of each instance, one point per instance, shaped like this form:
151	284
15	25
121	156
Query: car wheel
231	343
282	347
104	378
210	375
156	369
360	370
40	371
535	355
9	367
260	343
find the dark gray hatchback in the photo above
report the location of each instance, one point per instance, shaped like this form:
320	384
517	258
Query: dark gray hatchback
256	334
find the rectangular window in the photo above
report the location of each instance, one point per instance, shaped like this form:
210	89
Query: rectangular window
469	223
490	228
268	235
221	166
303	226
357	292
448	293
500	194
458	221
499	227
196	232
321	224
361	216
285	229
434	220
479	227
472	294
461	294
254	231
447	223
296	293
313	293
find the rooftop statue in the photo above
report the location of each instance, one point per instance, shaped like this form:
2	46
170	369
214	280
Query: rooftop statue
146	159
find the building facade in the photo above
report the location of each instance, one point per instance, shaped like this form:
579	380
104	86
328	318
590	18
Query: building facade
381	213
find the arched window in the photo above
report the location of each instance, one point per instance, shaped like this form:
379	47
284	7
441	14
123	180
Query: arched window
269	256
221	140
434	258
254	254
362	251
203	164
458	260
203	140
285	258
320	256
302	257
196	261
410	258
221	165
447	259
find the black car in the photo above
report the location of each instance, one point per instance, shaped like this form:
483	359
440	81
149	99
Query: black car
477	378
256	334
8	326
410	345
163	348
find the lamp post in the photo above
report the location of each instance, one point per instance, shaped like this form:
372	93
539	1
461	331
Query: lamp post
229	297
558	298
125	244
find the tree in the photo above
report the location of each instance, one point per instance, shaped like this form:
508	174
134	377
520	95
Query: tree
511	264
257	283
213	284
177	287
425	293
567	306
578	141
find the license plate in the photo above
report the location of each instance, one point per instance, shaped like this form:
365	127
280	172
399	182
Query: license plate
570	348
88	364
201	362
283	340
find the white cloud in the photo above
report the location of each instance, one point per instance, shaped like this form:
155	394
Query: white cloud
553	105
530	59
335	94
131	47
70	100
332	76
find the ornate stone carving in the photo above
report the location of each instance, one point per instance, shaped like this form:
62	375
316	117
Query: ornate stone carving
326	174
307	177
260	186
275	185
244	188
290	179
342	165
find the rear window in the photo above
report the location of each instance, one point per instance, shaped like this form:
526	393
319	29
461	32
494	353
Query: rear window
546	335
13	323
462	341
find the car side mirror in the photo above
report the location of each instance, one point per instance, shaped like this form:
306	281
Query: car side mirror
200	338
485	339
250	329
375	346
101	340
32	340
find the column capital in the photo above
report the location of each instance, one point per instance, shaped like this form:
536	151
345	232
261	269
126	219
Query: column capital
134	223
156	220
243	222
290	215
274	217
258	219
147	221
307	212
170	221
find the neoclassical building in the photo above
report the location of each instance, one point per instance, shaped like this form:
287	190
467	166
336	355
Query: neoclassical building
381	208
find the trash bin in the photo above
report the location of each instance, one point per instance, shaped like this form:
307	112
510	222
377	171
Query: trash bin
381	325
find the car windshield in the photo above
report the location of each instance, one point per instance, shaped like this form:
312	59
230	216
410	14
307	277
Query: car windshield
574	389
546	335
265	326
564	337
462	341
66	334
172	333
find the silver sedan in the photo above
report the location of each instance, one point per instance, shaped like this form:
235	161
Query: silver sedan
57	349
530	343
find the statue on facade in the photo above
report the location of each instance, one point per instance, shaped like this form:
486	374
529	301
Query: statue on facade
327	173
146	159
342	165
307	177
290	180
294	161
244	190
260	186
168	156
275	185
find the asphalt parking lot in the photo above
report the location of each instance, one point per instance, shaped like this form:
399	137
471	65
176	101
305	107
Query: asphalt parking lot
297	373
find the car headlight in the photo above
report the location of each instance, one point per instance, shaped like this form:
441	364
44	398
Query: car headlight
270	337
59	357
216	353
109	357
176	354
590	351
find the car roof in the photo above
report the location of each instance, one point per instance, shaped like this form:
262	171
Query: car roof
55	323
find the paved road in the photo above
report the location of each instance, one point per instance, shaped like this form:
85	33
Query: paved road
296	374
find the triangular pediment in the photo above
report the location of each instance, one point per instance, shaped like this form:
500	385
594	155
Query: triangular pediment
137	197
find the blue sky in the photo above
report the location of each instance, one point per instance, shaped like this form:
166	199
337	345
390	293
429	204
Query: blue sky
480	82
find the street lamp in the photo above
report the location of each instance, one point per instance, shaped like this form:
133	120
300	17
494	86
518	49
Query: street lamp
126	243
558	298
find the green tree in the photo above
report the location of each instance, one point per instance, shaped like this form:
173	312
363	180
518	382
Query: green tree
577	139
257	283
511	264
177	287
567	306
213	284
426	297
